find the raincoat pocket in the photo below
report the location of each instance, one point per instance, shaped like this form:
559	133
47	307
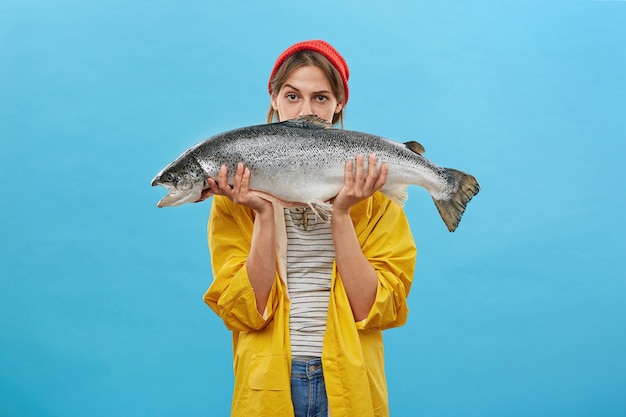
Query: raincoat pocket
269	373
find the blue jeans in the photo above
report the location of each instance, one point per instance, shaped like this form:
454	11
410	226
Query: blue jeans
308	391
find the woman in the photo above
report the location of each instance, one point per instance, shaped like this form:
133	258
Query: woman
306	301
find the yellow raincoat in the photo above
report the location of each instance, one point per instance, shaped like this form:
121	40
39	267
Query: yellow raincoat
352	353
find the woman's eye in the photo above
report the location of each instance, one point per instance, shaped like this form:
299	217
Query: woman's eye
322	99
291	96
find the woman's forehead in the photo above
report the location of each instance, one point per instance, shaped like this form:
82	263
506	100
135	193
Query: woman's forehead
310	78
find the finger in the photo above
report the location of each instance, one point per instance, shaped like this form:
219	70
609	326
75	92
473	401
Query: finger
206	193
382	178
245	180
222	178
238	175
212	185
347	173
372	171
359	174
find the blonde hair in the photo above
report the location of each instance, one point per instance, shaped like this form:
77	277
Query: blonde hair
303	59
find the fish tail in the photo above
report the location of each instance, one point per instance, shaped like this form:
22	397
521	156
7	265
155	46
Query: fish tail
452	208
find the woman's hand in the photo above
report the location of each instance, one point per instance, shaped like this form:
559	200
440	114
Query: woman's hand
239	193
261	259
357	274
360	185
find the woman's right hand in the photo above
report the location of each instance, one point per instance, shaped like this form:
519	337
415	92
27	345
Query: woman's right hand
239	193
261	259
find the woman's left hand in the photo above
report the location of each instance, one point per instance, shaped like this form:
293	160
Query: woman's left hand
359	185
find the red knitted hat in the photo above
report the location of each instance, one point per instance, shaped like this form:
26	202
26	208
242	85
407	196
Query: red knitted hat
323	48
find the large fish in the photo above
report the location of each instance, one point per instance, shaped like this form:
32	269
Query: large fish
302	161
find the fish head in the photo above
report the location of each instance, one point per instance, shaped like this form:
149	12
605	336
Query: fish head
184	185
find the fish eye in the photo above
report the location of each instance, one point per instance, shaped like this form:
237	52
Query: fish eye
169	177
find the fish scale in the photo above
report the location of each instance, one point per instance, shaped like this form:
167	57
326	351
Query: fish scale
302	162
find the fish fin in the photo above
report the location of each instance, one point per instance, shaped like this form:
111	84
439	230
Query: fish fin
452	208
398	194
310	121
322	210
415	147
274	199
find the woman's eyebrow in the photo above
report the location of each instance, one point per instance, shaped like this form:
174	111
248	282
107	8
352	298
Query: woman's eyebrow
292	87
314	93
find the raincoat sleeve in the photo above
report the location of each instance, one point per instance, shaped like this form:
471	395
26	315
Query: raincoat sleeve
386	239
231	295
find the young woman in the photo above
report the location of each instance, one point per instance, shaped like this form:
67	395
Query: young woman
306	301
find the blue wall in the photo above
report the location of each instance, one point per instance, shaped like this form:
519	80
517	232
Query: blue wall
521	312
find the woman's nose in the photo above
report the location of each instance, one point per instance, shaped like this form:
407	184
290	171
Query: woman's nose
305	109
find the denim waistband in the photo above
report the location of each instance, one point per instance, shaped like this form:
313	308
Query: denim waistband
307	368
308	389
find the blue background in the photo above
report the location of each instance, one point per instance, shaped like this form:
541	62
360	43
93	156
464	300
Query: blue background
521	312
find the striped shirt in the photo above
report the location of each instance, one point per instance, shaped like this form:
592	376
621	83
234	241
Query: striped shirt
310	256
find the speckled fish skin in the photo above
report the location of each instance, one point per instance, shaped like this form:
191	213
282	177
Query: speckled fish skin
303	160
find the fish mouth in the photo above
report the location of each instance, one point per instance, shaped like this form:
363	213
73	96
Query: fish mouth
176	197
164	202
